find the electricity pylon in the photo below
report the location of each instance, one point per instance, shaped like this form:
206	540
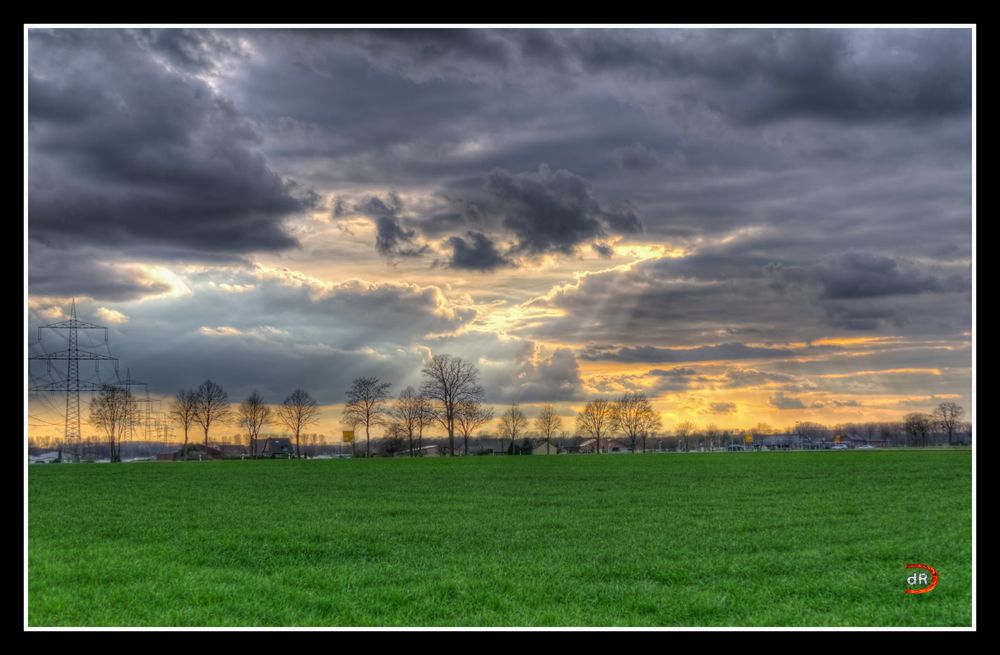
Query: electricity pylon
72	384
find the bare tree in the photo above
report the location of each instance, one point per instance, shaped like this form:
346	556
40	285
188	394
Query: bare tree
595	419
918	425
254	414
948	416
635	417
407	414
212	406
450	382
114	410
512	424
714	435
392	439
296	412
426	417
182	409
548	423
684	431
471	416
367	405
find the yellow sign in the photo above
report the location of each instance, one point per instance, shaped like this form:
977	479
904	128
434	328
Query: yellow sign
348	436
836	439
748	438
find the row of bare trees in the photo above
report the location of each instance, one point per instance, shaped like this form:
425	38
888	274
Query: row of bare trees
450	396
209	405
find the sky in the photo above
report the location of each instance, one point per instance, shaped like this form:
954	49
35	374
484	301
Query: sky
748	225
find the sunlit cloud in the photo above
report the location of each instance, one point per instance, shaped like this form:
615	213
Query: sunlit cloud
111	315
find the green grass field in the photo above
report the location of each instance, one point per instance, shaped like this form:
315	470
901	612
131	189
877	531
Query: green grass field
721	539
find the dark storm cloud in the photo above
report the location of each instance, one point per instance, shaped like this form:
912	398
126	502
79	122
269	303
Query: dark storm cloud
391	238
705	353
430	53
869	275
652	99
476	253
750	76
124	152
761	76
554	211
637	158
197	51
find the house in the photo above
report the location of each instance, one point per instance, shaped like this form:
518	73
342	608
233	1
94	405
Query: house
233	451
50	457
197	451
277	448
608	445
544	448
489	446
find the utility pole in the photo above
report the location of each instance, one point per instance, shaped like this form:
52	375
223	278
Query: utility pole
72	384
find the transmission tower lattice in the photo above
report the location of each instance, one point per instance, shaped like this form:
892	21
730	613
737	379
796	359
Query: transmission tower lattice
72	385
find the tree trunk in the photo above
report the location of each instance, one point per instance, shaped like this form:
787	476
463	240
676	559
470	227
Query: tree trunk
298	452
367	440
466	451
